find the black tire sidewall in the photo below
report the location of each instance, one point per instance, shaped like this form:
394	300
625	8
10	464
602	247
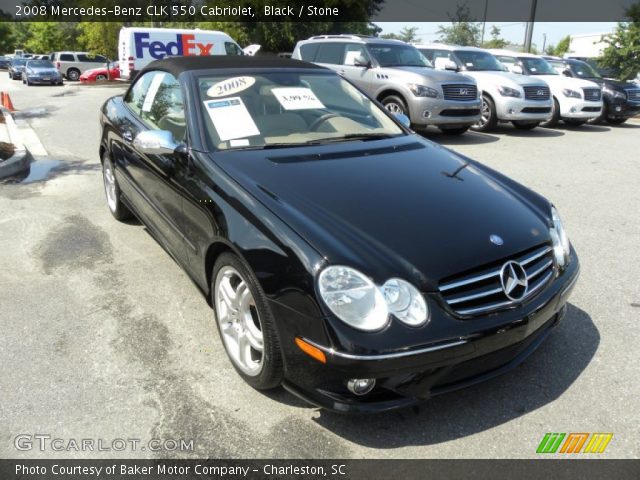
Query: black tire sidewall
272	371
493	116
73	73
398	101
122	212
555	118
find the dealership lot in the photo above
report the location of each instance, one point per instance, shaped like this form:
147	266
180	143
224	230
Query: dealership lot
106	338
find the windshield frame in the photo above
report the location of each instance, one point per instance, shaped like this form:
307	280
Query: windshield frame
197	116
524	61
405	46
465	67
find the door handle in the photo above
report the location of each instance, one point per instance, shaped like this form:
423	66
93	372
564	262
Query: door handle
127	136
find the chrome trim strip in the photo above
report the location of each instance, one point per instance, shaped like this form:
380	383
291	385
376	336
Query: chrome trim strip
539	285
451	301
528	260
449	286
570	285
541	269
386	356
486	308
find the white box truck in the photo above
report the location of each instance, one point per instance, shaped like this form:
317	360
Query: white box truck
139	46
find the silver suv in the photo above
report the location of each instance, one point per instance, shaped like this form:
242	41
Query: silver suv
74	64
400	77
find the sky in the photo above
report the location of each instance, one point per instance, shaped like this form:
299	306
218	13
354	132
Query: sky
510	31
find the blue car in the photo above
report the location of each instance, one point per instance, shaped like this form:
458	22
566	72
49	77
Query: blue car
42	72
16	67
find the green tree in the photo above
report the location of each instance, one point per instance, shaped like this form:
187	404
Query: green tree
561	48
496	41
407	34
623	46
6	33
100	38
463	30
46	37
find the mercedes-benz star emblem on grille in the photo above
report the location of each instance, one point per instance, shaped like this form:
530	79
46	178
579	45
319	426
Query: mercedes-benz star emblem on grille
464	91
496	239
514	281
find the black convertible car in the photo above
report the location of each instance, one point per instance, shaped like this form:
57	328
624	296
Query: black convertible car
357	264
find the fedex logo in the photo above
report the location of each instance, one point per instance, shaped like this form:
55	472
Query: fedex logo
185	44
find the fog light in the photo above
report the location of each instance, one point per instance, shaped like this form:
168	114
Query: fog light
426	114
573	109
618	109
511	111
361	386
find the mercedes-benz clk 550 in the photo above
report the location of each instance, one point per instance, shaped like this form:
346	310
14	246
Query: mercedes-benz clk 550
357	264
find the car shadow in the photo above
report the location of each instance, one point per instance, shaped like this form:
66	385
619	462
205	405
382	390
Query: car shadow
540	380
586	127
538	132
625	125
468	138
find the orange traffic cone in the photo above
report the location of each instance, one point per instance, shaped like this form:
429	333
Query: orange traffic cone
7	103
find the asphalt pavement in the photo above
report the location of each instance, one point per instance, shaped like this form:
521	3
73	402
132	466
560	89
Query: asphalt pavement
104	337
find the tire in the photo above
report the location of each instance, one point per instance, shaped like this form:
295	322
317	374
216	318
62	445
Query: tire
616	121
10	76
101	78
454	131
395	104
521	125
489	117
574	123
600	118
112	191
245	317
555	115
73	74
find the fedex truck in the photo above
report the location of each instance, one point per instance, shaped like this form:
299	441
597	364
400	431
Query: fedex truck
138	46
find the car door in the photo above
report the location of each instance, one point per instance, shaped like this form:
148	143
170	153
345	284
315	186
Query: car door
153	182
330	55
354	66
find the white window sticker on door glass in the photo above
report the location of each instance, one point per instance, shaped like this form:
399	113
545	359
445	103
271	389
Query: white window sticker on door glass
153	90
297	98
231	118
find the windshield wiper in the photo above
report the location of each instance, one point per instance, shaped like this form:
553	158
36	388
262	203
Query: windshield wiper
353	136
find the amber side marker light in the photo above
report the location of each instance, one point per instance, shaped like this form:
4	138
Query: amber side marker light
313	352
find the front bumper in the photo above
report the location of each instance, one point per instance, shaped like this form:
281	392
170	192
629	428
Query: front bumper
44	80
579	108
623	109
437	111
17	75
407	377
509	109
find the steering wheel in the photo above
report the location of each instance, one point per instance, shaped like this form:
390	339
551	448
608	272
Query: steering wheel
319	121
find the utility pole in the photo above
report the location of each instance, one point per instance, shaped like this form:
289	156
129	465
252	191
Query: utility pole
544	42
484	20
529	30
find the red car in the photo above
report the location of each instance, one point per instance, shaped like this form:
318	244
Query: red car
100	74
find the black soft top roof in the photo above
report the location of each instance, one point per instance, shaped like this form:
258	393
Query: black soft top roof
177	65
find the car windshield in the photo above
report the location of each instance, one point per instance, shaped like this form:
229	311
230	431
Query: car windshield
537	66
18	62
583	70
40	64
287	108
478	61
397	55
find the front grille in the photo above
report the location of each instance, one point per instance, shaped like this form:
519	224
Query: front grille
591	109
460	91
536	110
633	95
480	291
536	92
592	94
460	112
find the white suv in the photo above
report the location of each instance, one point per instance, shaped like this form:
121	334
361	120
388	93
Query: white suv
506	97
74	64
574	100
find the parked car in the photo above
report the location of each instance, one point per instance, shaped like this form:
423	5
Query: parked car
4	63
399	77
138	46
101	74
575	101
42	72
356	263
16	67
506	97
621	99
74	64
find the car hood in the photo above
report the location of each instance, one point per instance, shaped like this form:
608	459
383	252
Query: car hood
498	78
560	81
94	71
440	76
393	207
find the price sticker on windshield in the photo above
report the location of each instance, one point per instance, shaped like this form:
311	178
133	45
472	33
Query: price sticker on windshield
297	98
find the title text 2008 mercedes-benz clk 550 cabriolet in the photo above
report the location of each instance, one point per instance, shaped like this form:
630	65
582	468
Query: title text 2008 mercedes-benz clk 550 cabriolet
357	264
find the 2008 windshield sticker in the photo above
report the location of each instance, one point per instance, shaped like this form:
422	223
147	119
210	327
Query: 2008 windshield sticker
230	86
231	118
297	98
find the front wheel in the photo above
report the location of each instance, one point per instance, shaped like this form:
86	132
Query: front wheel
101	78
520	125
73	74
395	104
245	323
112	191
616	121
454	131
488	115
555	115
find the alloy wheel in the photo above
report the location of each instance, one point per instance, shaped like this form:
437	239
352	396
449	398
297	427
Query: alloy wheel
109	184
485	113
394	107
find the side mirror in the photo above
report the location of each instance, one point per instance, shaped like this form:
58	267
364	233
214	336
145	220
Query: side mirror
566	73
403	119
517	69
362	62
451	65
157	142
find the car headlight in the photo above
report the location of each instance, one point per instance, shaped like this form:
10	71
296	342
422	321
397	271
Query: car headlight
567	92
357	301
405	302
422	91
560	240
509	92
353	298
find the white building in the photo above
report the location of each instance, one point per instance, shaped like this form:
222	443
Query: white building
589	45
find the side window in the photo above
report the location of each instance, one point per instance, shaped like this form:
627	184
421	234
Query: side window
136	96
308	52
232	49
67	57
353	52
331	53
